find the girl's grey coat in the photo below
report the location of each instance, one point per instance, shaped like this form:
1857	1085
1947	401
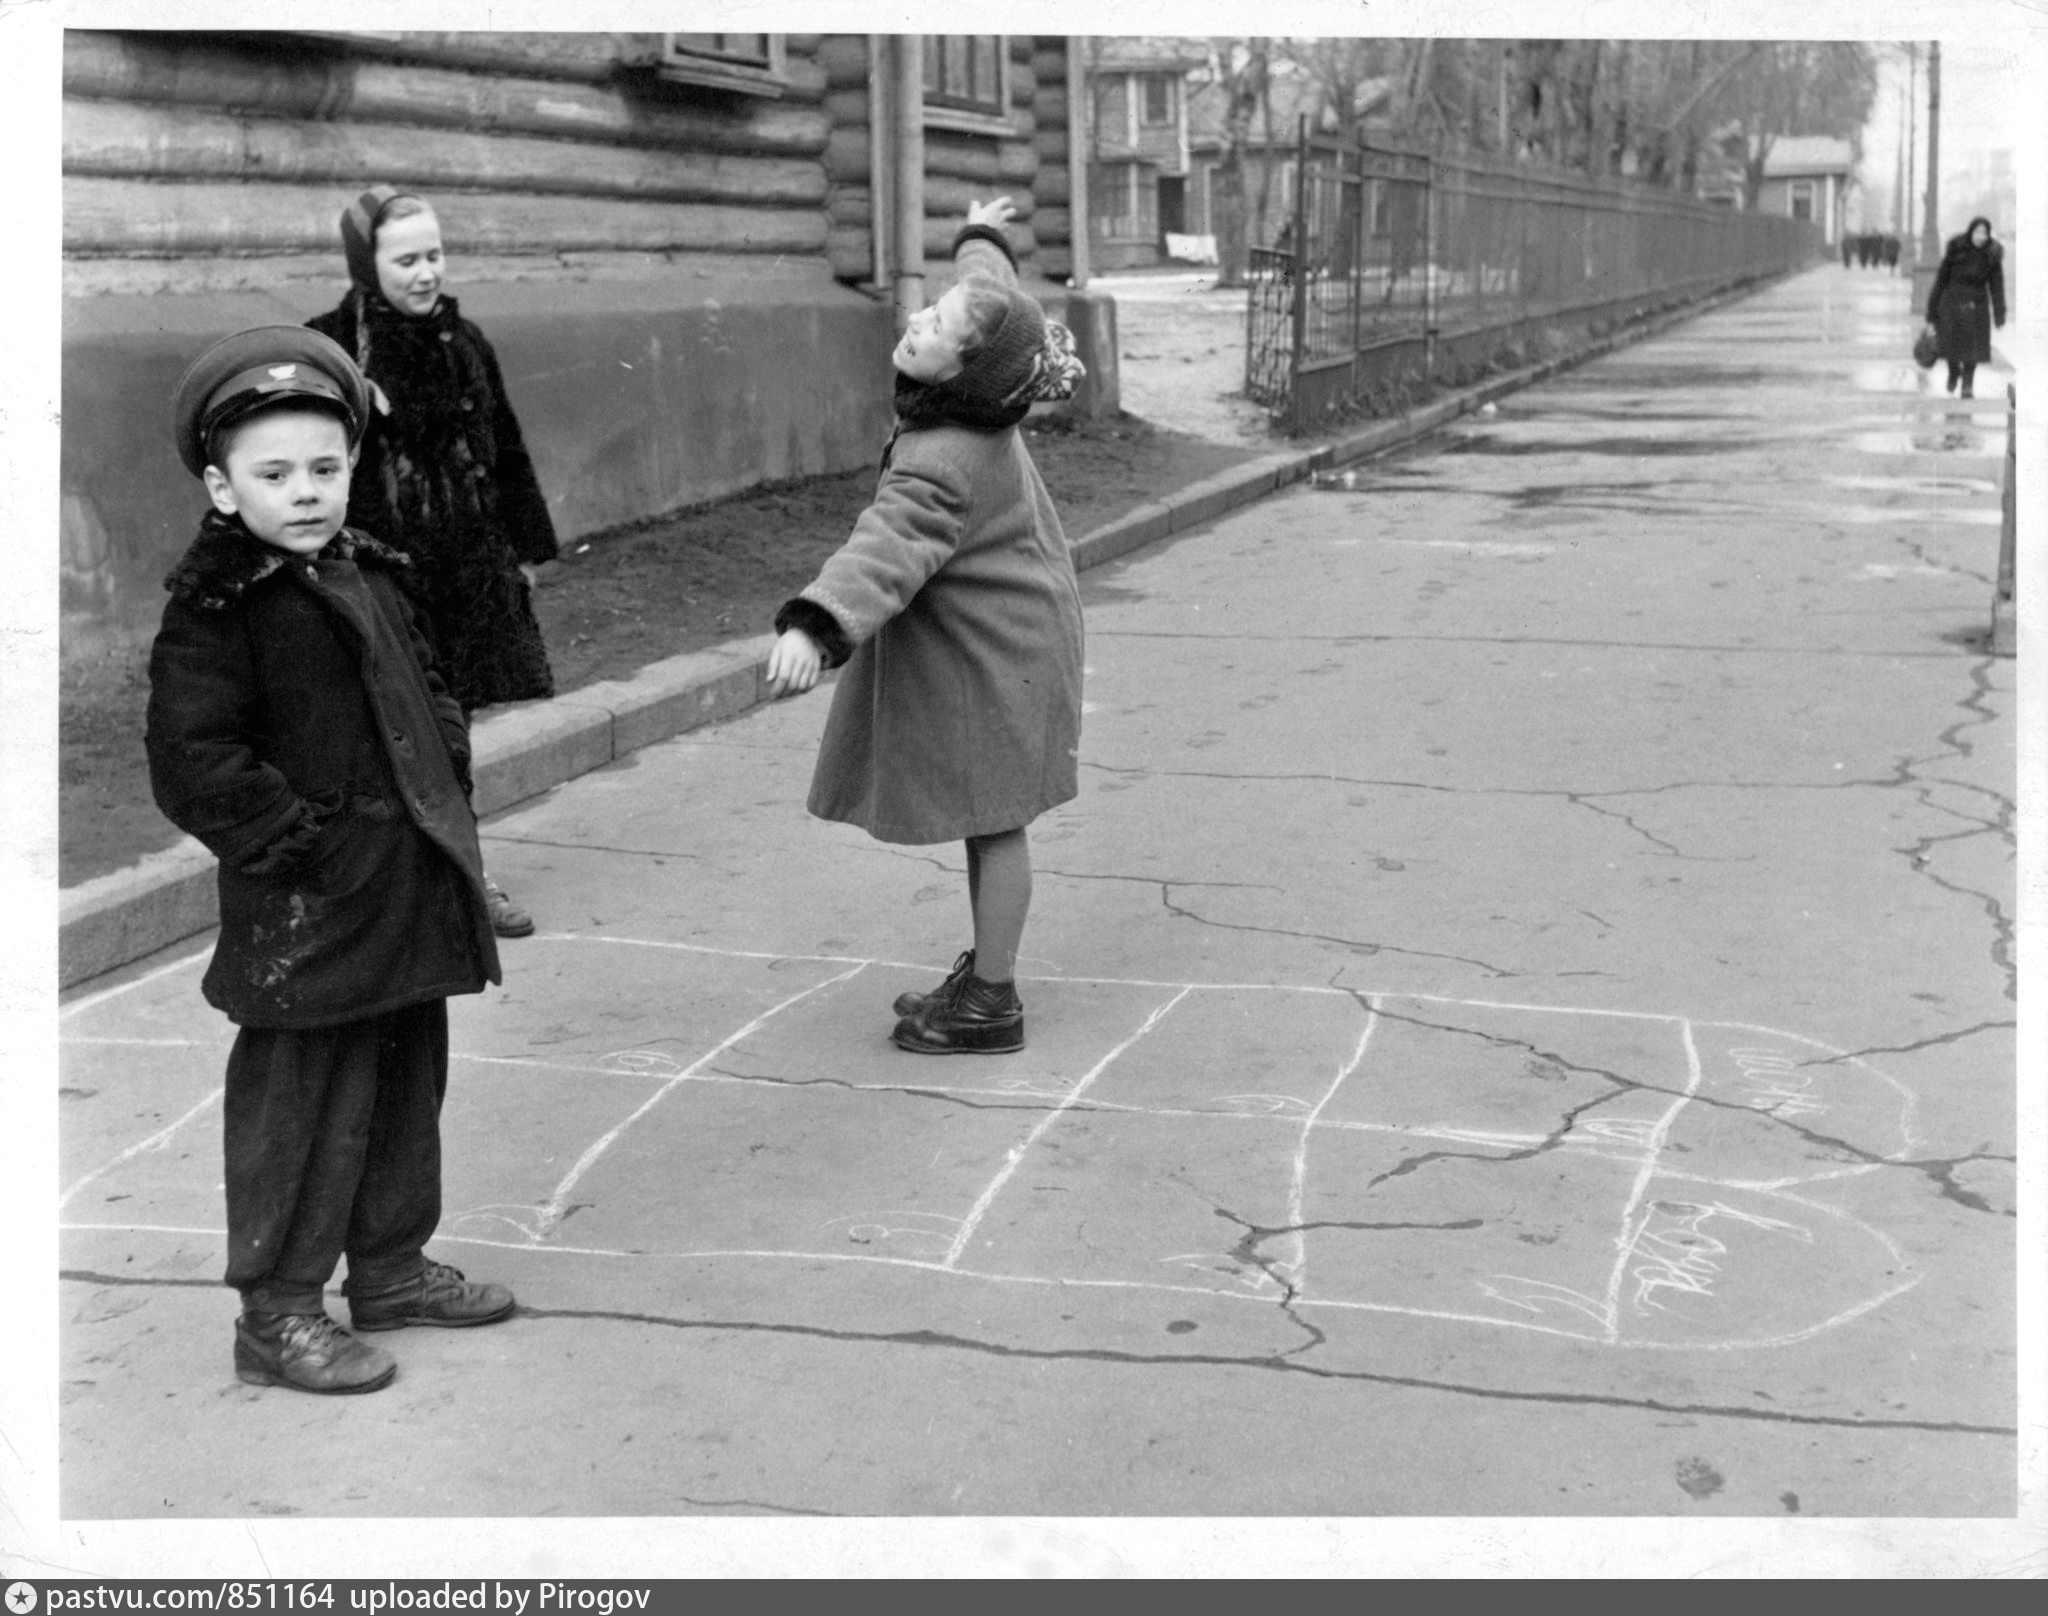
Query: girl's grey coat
959	711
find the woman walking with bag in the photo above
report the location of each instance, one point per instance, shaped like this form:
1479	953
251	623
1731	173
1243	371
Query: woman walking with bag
1967	299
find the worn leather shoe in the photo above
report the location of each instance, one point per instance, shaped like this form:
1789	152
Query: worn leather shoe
308	1352
507	918
439	1295
977	1018
908	1004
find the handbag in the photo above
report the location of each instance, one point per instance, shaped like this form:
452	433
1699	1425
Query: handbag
1926	348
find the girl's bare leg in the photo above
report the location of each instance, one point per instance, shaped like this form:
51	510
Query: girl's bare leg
999	890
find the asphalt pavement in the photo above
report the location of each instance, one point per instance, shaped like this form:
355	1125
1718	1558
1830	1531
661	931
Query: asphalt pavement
1520	1024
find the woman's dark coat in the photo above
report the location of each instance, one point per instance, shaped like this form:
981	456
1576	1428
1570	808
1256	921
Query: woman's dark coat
445	477
1968	295
297	728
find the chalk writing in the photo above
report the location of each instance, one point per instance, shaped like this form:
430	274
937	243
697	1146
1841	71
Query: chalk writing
1772	1082
1679	1255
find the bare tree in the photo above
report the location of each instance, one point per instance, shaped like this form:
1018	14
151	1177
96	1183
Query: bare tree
1239	69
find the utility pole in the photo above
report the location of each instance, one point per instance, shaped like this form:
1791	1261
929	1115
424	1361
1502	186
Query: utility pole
1900	217
1933	231
1912	143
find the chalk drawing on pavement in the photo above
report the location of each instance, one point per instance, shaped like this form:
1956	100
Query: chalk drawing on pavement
1403	1154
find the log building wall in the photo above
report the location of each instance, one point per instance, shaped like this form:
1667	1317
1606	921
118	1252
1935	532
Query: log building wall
679	280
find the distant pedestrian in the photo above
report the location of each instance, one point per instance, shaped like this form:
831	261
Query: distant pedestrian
1848	248
445	476
1888	251
298	728
954	609
1967	299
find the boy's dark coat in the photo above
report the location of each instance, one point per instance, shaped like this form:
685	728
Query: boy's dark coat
297	727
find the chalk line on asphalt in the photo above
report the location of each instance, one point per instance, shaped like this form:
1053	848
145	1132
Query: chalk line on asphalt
1635	1143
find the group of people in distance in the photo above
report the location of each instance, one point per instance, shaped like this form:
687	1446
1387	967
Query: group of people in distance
1870	250
363	582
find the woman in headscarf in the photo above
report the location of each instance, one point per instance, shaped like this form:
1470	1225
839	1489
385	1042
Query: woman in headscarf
1967	300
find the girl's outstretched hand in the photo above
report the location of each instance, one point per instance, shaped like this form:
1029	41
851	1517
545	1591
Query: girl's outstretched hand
997	213
794	663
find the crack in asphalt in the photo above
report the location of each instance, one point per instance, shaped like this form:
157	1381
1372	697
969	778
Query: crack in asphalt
1246	1253
1913	1048
967	1101
1284	1363
749	1503
1042	872
1918	552
2004	944
1356	945
590	847
1940	1170
1584	800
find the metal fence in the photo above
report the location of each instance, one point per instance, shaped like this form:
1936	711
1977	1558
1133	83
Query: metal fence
1397	266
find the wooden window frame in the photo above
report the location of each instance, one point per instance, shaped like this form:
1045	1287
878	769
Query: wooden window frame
712	70
975	119
1168	117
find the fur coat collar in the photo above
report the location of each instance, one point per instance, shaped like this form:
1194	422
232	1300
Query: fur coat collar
226	559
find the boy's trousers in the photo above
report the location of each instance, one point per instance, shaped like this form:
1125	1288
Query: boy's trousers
333	1147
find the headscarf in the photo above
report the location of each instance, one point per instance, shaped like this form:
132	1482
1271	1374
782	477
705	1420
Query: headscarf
359	232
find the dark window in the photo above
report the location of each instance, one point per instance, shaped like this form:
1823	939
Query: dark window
1158	98
750	50
751	64
964	73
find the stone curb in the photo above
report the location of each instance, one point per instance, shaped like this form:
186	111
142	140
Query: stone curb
520	752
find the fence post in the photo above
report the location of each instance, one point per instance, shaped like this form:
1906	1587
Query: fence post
1301	273
1429	261
2004	631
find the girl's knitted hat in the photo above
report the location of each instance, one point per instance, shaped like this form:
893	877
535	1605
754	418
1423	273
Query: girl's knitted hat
359	232
1027	357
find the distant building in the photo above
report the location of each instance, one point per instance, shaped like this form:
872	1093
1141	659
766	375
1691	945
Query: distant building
1138	148
1804	177
1270	151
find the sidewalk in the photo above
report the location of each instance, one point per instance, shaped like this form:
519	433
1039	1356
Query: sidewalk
1521	1022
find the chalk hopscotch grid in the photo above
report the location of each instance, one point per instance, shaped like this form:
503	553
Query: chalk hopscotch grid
537	1234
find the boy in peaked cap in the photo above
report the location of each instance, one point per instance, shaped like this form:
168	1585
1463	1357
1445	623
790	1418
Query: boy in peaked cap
298	728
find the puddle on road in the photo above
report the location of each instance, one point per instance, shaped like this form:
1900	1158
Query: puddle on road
1900	376
1918	487
1877	516
1956	440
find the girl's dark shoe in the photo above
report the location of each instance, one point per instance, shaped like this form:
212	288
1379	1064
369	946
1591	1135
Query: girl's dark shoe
977	1018
908	1004
308	1352
438	1294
